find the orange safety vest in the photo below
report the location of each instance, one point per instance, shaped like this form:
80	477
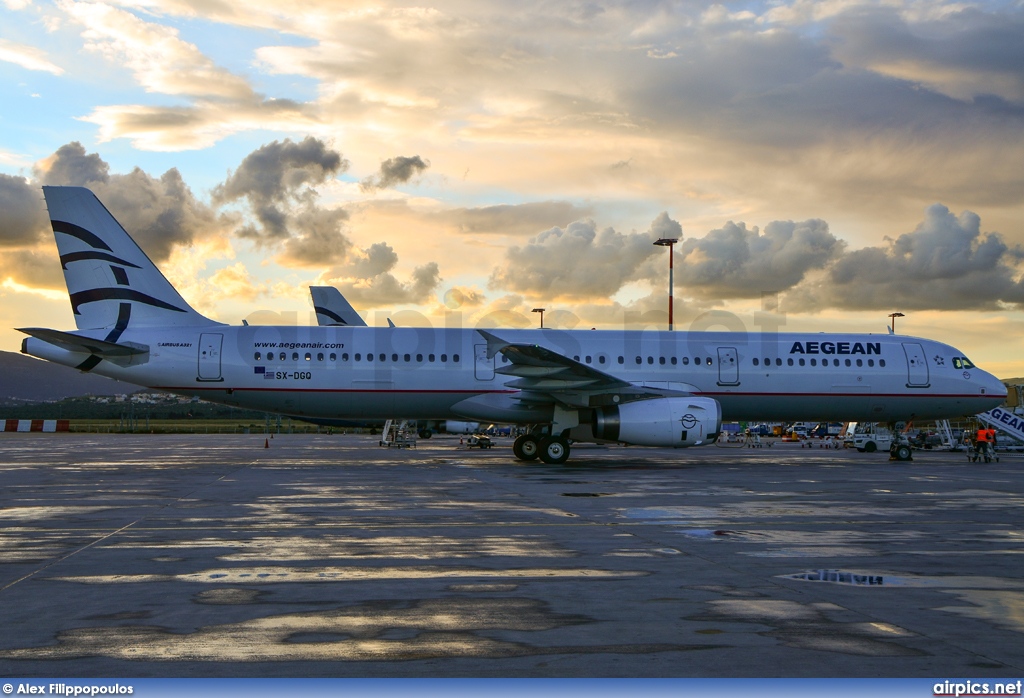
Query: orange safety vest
983	435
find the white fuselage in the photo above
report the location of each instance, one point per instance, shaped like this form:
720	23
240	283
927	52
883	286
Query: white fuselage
424	373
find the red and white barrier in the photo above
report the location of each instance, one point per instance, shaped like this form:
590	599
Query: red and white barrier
27	425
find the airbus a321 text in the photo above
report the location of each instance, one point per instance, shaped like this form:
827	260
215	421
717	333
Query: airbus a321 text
648	388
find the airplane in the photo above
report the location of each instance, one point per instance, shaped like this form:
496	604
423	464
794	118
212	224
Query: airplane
333	309
647	388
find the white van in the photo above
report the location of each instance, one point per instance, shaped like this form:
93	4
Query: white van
872	438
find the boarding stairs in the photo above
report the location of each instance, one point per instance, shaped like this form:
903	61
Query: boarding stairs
398	434
1008	423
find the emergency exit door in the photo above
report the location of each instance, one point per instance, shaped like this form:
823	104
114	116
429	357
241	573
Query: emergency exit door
483	366
728	366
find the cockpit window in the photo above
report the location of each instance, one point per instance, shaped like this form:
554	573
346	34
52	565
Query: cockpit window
967	363
962	362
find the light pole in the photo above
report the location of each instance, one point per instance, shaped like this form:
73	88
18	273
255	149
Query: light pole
541	311
894	316
669	242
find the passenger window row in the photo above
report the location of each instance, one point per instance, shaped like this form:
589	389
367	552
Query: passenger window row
395	358
824	362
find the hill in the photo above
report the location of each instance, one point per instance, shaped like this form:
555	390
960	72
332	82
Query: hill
26	379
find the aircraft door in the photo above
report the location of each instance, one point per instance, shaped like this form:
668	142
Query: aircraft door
728	366
917	365
483	366
209	356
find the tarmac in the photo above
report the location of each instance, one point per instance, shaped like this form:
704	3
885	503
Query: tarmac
329	556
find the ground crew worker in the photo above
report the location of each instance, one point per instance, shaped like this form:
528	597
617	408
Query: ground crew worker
983	441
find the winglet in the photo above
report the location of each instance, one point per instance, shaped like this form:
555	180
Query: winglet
494	344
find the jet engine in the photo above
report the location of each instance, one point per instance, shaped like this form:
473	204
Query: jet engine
665	421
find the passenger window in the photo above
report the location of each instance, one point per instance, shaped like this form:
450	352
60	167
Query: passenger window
383	357
430	358
871	363
789	362
860	362
358	357
256	356
455	358
600	359
576	358
661	360
881	363
444	358
419	358
622	360
394	357
847	362
588	359
778	362
309	357
696	361
802	362
407	358
674	361
650	360
686	361
709	361
814	362
639	360
295	356
755	362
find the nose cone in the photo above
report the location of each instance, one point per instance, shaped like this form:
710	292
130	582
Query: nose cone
992	386
995	387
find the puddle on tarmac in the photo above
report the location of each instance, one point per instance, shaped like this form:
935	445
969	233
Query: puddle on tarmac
879	579
231	596
838	577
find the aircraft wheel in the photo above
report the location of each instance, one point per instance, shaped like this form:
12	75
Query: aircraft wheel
554	450
870	447
903	453
526	447
426	434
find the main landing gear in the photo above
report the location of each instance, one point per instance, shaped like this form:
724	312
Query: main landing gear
553	450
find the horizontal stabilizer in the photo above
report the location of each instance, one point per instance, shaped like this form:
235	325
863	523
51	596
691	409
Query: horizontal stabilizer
85	345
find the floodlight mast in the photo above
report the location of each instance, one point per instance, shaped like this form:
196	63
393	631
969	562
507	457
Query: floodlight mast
669	242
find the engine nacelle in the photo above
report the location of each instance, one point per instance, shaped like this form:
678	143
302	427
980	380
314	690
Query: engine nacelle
674	422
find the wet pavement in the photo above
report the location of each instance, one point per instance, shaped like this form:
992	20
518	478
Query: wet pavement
134	556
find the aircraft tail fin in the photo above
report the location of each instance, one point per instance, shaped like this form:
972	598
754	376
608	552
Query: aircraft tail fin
332	308
111	281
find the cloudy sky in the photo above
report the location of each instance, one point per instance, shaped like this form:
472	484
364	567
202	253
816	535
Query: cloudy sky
824	163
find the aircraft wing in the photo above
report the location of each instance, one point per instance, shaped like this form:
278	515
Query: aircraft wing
545	376
85	345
